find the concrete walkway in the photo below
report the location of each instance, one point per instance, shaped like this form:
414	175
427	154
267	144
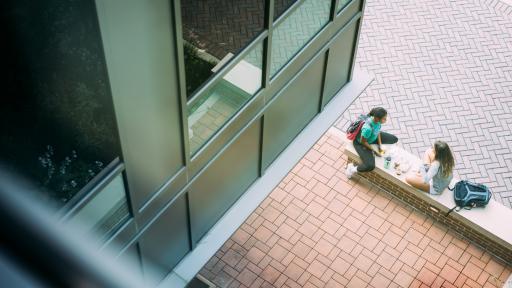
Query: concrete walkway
444	71
320	229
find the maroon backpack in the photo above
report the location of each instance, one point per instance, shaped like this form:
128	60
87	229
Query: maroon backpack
354	127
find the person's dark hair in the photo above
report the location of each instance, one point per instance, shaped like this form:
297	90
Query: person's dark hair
378	112
444	155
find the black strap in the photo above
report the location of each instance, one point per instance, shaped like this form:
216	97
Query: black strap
450	211
360	134
457	208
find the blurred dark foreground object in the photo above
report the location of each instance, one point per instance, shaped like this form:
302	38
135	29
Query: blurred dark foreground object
38	251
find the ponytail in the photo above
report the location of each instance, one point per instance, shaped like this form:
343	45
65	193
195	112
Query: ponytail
378	112
445	157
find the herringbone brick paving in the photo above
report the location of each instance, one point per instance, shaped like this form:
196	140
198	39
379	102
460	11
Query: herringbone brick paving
223	26
320	229
296	30
443	69
281	6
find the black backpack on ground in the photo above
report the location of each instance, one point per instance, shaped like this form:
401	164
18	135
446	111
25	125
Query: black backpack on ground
468	195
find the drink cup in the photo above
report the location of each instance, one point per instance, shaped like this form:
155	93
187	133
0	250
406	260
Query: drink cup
387	162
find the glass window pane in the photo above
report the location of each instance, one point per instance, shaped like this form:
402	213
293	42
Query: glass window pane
280	6
210	111
342	4
296	30
213	32
104	212
56	113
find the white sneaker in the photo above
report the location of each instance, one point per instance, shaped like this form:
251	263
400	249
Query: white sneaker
351	169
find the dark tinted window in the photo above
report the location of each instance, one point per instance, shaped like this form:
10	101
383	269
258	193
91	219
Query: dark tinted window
342	4
214	31
280	6
56	114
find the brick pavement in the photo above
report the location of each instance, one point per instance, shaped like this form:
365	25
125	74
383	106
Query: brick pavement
319	229
223	26
296	30
281	6
444	71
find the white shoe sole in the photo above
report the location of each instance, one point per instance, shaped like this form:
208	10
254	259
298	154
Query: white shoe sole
349	171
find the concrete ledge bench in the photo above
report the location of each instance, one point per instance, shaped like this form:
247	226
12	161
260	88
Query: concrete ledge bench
489	227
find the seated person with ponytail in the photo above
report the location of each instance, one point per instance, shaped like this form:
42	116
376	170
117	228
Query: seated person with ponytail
437	171
370	134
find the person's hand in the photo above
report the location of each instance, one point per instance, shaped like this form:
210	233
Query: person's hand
379	148
378	153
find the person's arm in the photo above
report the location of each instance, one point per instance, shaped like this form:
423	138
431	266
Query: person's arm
379	144
432	171
365	134
368	146
365	143
428	156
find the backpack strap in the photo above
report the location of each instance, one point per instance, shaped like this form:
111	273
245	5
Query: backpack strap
369	119
456	208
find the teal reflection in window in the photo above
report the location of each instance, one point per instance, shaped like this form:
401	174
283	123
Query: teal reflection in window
342	4
296	30
103	214
208	112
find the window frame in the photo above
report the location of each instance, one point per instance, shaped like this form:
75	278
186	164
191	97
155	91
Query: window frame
283	18
92	189
217	77
265	38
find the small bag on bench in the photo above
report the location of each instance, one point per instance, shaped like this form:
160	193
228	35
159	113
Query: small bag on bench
468	195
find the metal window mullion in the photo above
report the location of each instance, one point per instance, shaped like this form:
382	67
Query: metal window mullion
180	59
332	17
191	243
267	44
262	131
288	12
267	54
91	189
334	8
324	77
356	43
226	68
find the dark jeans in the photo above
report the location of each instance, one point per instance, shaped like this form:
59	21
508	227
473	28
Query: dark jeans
366	155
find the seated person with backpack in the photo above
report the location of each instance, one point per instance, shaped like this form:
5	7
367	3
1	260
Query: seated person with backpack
368	134
436	173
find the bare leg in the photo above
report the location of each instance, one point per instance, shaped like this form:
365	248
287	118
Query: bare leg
416	181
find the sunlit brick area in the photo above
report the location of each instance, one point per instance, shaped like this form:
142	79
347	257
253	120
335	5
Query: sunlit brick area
320	229
452	79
